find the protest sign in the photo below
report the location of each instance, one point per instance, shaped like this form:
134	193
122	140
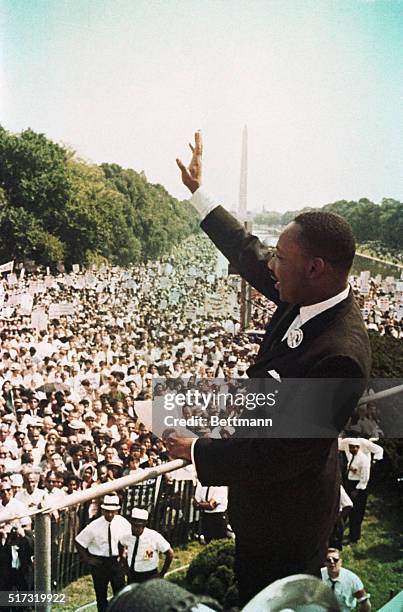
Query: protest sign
173	296
39	318
26	302
60	310
7	267
12	279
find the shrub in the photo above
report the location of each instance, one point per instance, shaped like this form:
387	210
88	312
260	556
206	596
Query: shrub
212	572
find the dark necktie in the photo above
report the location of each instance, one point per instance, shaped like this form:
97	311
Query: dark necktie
110	540
207	492
333	584
349	466
135	549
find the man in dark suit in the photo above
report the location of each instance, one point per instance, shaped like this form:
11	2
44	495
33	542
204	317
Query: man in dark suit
16	554
284	493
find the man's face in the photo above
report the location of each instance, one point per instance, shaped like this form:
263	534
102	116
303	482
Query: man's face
33	434
72	486
5	494
30	484
333	564
109	454
289	267
353	448
51	483
109	514
138	528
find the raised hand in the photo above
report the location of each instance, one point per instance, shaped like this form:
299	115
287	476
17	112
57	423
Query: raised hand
191	176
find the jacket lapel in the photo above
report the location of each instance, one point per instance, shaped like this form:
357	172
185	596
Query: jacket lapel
277	328
311	329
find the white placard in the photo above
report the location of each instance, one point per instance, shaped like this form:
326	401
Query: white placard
12	279
190	313
173	296
7	267
6	312
75	268
39	318
60	310
26	303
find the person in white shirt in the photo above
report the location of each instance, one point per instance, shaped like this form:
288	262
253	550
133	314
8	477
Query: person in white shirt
366	446
347	587
31	495
355	483
212	503
100	545
345	506
143	548
9	506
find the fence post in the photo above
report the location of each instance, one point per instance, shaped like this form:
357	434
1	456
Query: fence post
43	565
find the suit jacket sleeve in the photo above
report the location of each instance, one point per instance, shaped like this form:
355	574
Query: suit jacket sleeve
242	249
225	462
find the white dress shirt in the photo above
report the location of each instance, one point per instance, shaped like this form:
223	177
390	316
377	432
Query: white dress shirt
346	584
366	446
95	536
31	499
151	543
359	466
306	313
218	494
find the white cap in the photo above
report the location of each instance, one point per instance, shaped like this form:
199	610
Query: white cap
139	515
16	480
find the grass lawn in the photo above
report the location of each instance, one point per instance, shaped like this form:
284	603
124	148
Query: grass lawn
376	558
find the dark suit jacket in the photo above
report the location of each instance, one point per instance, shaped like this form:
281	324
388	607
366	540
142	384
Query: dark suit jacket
25	552
283	497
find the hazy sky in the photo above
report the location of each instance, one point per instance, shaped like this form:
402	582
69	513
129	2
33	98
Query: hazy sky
318	83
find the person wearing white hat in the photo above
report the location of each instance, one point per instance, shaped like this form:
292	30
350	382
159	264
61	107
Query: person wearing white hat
143	548
100	545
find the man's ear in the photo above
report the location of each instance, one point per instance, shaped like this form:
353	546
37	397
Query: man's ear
316	268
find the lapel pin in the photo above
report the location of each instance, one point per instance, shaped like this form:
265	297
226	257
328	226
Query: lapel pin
295	338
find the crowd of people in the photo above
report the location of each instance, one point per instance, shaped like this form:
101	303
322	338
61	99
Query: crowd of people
80	351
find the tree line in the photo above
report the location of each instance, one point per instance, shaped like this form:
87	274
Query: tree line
370	222
56	208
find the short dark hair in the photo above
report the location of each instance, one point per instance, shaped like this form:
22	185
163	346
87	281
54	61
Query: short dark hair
327	235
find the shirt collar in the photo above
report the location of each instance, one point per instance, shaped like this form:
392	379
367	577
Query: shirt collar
308	312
